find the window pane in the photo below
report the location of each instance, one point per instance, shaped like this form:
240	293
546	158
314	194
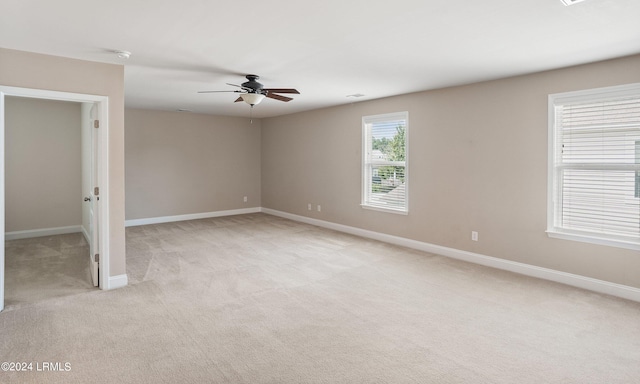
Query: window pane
600	201
600	146
387	187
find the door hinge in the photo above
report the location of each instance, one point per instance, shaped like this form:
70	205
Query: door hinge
96	257
96	191
96	123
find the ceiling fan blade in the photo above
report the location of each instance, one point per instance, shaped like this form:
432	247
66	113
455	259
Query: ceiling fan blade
278	97
239	99
282	90
240	86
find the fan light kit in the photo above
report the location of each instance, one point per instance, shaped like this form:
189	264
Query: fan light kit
252	92
252	98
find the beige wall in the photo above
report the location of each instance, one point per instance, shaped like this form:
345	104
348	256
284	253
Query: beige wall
42	164
182	163
477	161
32	70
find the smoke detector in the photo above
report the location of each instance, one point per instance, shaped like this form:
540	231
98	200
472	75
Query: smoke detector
571	2
123	54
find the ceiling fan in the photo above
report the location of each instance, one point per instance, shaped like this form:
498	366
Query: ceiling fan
252	92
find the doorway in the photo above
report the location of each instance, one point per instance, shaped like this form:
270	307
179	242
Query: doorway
96	230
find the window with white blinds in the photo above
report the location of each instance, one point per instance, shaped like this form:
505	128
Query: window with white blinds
385	171
594	167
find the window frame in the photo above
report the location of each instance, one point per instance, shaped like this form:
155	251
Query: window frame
554	227
367	176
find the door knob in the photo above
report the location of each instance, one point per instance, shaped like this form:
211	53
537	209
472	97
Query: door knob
87	199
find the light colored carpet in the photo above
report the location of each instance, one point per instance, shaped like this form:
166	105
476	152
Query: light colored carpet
260	299
42	268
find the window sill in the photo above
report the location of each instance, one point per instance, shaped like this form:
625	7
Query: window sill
388	210
594	239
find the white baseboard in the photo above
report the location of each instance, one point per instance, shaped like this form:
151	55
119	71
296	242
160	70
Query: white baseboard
193	216
42	232
118	281
86	234
601	286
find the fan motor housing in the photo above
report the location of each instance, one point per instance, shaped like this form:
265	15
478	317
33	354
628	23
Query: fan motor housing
252	83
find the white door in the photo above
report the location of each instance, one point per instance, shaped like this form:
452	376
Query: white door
93	198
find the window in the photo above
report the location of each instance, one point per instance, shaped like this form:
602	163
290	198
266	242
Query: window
594	166
385	172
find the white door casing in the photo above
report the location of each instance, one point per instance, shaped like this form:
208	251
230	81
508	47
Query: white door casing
101	228
94	197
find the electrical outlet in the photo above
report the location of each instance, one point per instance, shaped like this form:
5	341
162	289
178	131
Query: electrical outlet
474	235
245	199
319	208
309	206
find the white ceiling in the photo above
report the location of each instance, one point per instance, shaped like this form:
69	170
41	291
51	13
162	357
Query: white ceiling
326	49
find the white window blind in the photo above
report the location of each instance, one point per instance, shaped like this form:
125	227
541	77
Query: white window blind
385	173
596	164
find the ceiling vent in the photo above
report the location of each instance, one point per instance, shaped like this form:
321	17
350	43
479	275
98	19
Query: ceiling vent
571	2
